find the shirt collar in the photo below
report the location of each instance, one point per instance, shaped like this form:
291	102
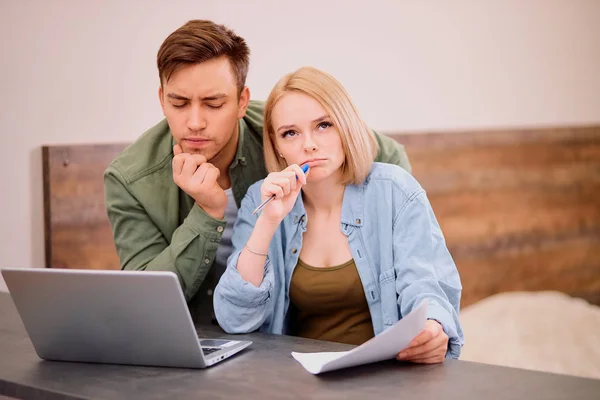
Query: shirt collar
240	156
352	206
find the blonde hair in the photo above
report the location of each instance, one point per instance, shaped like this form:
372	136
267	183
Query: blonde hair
358	141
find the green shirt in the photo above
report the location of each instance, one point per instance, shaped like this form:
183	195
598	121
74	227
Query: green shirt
158	227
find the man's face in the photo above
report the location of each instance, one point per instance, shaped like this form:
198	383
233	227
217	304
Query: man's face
202	107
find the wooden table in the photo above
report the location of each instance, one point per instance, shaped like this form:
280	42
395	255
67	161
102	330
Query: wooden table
267	370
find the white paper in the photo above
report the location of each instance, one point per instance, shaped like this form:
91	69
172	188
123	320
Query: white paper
384	346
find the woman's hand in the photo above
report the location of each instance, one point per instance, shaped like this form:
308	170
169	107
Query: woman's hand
286	188
429	347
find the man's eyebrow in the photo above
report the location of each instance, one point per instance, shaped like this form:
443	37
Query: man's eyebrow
176	96
215	96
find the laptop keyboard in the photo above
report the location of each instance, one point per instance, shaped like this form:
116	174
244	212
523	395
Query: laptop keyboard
209	350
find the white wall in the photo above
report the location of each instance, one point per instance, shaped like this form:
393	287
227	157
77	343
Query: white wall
84	72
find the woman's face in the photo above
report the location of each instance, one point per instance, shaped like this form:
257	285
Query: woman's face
305	134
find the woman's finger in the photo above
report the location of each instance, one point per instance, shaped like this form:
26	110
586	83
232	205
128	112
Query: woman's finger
270	189
435	359
423	349
284	183
301	176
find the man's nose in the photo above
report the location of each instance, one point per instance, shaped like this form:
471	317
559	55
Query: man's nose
196	120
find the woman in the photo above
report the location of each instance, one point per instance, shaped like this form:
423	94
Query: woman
355	252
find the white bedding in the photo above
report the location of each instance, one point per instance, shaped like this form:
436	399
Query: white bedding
545	331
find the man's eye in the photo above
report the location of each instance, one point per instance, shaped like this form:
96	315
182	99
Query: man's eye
178	105
214	106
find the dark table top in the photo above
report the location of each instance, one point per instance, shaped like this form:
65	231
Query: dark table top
267	370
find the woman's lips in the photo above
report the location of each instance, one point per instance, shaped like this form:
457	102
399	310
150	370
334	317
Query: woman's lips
315	162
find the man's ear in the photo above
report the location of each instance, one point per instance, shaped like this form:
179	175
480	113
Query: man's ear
243	102
161	99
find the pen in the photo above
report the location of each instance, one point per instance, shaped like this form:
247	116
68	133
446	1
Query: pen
264	203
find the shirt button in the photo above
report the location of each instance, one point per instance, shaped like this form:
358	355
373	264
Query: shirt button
296	219
358	221
294	250
219	229
209	292
206	261
303	218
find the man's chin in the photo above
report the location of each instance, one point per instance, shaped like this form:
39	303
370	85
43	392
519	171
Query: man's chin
192	150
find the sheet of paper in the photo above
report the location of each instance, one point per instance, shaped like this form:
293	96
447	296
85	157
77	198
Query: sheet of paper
384	346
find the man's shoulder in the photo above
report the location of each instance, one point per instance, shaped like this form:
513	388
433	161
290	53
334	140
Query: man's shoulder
148	154
254	117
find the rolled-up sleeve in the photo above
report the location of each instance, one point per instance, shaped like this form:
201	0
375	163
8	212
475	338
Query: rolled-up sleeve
241	307
425	269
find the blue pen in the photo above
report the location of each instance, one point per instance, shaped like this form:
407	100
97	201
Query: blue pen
264	203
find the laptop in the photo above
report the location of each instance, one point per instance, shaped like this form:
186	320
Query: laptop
112	317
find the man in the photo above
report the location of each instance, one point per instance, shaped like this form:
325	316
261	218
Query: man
172	196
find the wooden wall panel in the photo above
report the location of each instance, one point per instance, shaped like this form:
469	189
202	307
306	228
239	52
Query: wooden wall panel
520	209
77	232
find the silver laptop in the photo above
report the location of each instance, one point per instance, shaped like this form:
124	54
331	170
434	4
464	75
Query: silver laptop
113	317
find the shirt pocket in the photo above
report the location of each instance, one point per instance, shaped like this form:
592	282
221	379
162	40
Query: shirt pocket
389	298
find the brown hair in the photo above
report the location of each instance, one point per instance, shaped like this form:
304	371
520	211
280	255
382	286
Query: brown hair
358	140
198	41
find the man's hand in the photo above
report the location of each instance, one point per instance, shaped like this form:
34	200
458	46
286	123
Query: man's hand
429	347
198	178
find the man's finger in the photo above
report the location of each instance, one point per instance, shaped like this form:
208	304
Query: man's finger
199	159
178	161
200	174
211	176
189	166
177	150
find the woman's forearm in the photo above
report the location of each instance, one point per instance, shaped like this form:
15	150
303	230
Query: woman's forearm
252	259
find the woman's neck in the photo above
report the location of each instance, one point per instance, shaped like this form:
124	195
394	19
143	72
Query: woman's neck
324	197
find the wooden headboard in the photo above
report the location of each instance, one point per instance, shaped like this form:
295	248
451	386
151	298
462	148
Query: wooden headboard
520	209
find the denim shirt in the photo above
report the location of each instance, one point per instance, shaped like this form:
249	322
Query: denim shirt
397	245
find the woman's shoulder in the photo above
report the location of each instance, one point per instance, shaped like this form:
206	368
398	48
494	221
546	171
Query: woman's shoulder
391	187
392	177
253	194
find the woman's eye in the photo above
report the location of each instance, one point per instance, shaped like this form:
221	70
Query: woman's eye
324	125
288	134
